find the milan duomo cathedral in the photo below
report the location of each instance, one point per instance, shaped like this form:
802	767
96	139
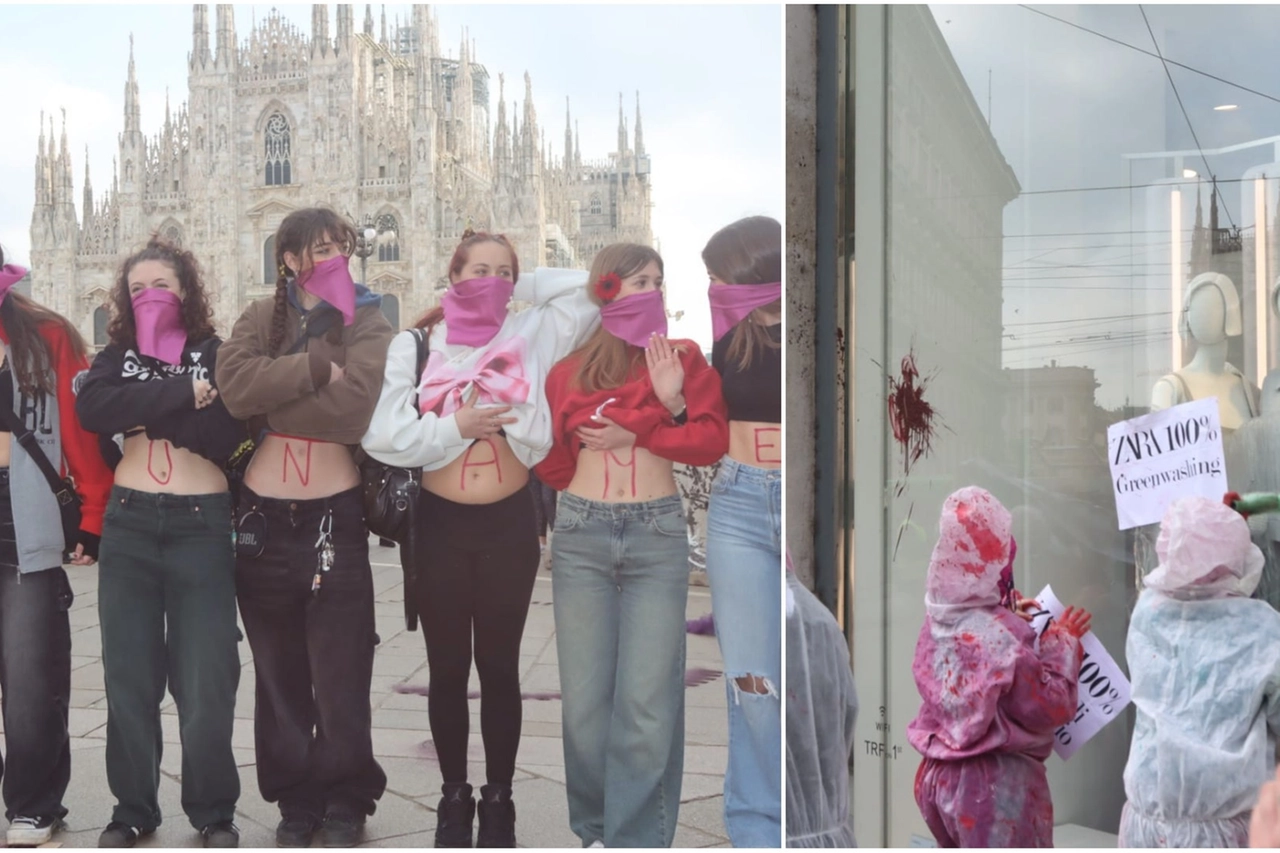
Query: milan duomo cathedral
383	128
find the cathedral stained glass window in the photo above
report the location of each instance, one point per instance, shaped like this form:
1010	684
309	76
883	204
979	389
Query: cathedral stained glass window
277	137
388	238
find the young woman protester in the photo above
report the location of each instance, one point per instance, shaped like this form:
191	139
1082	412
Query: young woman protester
166	583
475	421
744	520
625	407
42	355
304	368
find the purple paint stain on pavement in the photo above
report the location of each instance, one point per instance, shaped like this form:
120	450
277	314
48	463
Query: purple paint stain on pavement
704	625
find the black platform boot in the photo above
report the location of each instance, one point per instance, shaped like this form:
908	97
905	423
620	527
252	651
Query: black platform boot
497	817
455	815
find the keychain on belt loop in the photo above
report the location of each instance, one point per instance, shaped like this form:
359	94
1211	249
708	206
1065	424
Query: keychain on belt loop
324	546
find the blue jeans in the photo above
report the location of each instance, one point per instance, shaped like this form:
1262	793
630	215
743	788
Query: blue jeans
744	567
620	577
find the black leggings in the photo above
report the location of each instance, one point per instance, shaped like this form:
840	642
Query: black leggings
479	568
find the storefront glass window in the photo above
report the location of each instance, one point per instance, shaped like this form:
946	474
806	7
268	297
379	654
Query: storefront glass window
1055	180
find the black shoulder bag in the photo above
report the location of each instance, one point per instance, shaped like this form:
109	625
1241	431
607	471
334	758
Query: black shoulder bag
390	503
63	488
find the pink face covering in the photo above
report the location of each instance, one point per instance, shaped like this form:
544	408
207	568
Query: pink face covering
331	281
730	303
635	318
475	309
158	315
10	274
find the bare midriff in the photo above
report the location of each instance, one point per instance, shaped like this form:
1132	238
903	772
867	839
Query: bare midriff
300	468
756	443
160	468
487	472
627	475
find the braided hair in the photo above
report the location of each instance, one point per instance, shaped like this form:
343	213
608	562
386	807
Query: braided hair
299	231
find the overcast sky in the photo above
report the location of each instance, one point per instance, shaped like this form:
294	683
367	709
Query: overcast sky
1086	271
709	78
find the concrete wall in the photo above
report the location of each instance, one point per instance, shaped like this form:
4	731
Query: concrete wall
802	88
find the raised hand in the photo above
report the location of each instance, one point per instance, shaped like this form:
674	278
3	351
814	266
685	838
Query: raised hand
666	372
476	423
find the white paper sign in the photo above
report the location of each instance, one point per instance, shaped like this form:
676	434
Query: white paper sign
1158	458
1103	690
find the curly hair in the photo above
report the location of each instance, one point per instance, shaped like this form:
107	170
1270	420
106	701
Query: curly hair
197	314
459	260
299	231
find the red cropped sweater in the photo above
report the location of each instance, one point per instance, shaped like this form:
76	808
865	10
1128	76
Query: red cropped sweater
701	440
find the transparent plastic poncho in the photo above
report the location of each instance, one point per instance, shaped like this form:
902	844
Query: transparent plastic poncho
822	707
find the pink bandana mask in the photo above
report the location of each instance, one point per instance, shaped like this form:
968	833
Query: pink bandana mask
635	318
731	303
10	274
331	282
475	309
157	313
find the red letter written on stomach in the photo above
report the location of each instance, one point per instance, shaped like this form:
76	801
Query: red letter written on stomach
612	461
468	463
766	445
297	454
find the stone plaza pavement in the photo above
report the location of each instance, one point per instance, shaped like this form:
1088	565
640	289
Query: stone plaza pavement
401	735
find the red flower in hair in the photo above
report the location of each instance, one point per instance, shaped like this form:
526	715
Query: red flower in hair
608	286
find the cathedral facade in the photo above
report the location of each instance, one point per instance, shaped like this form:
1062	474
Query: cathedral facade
384	128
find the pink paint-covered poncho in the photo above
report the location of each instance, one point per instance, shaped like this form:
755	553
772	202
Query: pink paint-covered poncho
987	693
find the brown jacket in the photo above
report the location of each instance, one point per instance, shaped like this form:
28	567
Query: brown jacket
291	394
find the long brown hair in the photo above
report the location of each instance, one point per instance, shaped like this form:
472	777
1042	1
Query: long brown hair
607	361
29	357
461	255
297	234
746	252
197	315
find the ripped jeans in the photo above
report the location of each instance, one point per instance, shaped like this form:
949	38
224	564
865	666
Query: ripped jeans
744	566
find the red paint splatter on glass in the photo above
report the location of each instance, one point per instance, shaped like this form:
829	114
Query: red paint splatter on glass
913	420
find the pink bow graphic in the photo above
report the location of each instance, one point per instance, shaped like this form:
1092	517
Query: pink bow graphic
499	376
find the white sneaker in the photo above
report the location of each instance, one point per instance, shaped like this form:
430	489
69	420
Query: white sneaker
30	831
596	843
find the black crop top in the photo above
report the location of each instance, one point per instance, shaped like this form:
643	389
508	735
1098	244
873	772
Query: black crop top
124	390
754	394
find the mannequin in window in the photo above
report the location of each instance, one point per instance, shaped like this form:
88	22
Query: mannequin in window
1253	465
1210	315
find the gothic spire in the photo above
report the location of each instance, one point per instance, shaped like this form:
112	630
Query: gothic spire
568	136
87	212
622	129
226	49
1213	211
384	26
368	20
577	146
200	37
132	111
345	24
43	189
320	29
64	164
639	130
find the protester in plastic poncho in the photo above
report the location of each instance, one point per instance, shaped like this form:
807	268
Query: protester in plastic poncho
991	699
1204	660
822	708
